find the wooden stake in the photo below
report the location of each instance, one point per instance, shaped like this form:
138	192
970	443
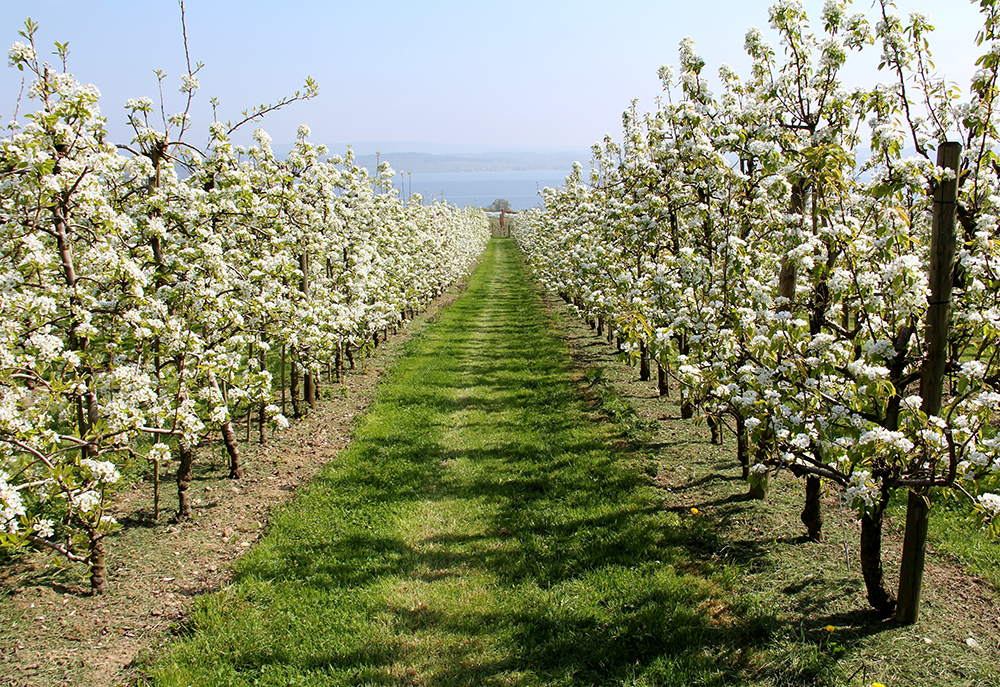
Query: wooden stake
911	568
156	490
283	355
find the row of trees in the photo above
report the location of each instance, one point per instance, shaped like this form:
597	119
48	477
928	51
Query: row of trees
787	251
151	292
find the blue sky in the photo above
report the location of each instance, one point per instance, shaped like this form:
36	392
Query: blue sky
486	76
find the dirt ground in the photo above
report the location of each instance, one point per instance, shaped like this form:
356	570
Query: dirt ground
53	632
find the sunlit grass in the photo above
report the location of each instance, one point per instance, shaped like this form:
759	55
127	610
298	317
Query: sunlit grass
480	530
758	549
954	532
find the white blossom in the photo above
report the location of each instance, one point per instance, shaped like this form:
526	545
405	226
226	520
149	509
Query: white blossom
103	471
990	502
19	52
44	528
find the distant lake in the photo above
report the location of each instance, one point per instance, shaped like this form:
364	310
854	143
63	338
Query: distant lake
480	189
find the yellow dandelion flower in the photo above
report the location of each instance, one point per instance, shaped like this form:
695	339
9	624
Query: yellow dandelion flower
831	628
694	511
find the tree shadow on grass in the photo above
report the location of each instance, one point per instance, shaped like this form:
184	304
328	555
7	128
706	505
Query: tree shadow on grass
583	569
587	594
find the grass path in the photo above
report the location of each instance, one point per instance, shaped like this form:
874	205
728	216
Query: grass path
480	530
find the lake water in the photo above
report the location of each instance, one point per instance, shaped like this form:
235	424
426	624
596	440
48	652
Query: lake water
480	189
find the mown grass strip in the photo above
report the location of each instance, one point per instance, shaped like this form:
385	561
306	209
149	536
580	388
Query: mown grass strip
480	530
808	587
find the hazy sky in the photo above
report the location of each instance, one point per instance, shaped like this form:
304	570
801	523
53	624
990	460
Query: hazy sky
496	75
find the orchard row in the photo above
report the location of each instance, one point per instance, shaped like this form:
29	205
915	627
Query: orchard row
152	292
815	264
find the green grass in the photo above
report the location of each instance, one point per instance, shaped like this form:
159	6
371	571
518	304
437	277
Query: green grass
482	529
760	547
489	527
953	531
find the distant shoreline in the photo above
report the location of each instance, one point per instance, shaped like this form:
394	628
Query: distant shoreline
520	188
425	163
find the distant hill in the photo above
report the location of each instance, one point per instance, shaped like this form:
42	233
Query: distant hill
475	162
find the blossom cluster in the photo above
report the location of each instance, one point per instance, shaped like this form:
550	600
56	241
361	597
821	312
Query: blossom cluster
772	257
139	304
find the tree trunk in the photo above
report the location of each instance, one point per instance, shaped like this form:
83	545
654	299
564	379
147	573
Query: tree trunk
310	389
757	491
687	409
742	445
812	514
233	449
184	470
911	567
156	491
786	283
643	362
715	424
879	598
661	380
98	564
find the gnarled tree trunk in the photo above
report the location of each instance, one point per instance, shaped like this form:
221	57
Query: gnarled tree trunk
185	464
879	597
812	513
98	564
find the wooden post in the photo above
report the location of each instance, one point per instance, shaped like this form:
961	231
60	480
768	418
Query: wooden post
156	490
812	513
261	411
309	383
185	461
249	402
293	389
284	354
911	568
309	389
788	276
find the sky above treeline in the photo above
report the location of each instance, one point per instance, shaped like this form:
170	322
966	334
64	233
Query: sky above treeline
442	75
